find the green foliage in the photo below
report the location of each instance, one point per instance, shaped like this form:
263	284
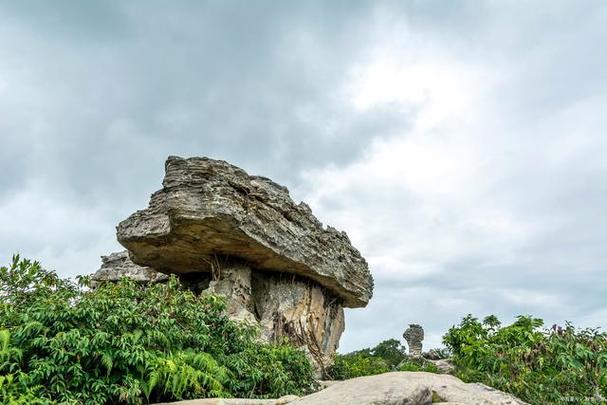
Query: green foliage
61	342
417	364
388	355
557	366
391	351
357	364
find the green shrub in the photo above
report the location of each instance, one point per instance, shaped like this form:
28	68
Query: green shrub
417	364
357	365
557	366
388	355
124	342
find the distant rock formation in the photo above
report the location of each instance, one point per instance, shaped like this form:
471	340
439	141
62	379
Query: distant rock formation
414	335
225	232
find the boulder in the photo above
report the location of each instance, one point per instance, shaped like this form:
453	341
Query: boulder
117	265
405	387
444	366
209	209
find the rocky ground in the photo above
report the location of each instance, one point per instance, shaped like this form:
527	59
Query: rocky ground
396	388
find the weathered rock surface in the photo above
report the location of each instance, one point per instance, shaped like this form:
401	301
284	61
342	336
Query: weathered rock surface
209	208
398	388
416	388
234	283
445	366
117	265
414	335
283	306
307	314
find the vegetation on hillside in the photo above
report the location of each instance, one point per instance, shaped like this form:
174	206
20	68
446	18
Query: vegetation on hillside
388	355
556	366
61	342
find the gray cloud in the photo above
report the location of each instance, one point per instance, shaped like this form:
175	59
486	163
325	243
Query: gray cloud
470	168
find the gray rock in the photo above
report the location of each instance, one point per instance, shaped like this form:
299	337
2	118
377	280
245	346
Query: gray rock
117	265
432	354
283	306
234	283
209	209
416	388
305	313
445	366
414	335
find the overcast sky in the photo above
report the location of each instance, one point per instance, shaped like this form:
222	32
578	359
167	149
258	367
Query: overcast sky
462	145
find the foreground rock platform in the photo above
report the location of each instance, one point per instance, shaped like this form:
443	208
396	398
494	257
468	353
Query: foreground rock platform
397	388
407	387
209	208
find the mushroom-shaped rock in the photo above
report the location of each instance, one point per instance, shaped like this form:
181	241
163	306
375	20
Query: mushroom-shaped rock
208	209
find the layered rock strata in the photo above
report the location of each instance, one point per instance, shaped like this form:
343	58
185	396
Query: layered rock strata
210	207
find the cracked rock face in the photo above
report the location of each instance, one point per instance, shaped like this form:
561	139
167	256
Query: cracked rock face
305	313
209	208
283	306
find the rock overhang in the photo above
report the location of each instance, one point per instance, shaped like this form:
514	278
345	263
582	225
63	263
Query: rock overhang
209	208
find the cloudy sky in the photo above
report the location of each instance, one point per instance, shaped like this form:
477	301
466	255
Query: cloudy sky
462	145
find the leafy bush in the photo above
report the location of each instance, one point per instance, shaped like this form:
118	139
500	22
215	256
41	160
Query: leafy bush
126	343
357	364
557	366
417	364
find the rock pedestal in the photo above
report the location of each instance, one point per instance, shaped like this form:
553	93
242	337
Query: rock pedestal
414	335
225	232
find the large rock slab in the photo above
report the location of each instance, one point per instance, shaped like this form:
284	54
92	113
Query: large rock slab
210	208
416	388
